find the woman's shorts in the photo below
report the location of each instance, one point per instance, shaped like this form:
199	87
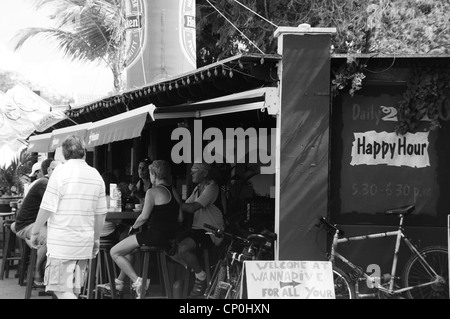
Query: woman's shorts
153	237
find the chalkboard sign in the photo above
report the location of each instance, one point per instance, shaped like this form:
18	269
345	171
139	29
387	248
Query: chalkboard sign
374	169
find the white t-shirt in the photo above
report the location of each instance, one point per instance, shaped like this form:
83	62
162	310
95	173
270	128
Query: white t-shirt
209	214
74	194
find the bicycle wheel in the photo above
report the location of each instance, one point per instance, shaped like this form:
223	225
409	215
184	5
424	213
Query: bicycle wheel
216	287
343	287
235	281
416	273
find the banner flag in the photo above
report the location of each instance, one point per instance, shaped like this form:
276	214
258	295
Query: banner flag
21	113
34	108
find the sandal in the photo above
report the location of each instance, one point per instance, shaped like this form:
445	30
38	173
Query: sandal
38	283
199	288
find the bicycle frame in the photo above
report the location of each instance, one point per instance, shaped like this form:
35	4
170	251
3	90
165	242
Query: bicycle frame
399	236
226	279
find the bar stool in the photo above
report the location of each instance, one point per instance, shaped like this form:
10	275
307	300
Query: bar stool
6	216
30	271
163	272
99	266
9	250
32	258
25	252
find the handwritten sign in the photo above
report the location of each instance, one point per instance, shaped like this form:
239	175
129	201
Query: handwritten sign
289	279
375	148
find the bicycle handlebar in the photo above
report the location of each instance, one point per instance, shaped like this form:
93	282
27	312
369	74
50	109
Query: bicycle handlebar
220	233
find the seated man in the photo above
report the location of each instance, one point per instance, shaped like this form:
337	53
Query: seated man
202	205
26	216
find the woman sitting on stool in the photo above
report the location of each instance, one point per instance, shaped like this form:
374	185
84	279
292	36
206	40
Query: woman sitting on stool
160	218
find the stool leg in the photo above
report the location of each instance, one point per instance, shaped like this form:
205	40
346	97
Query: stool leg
25	253
5	253
187	282
145	274
165	274
98	278
4	237
10	244
30	273
206	264
91	278
111	273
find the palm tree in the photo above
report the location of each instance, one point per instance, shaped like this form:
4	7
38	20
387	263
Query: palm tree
10	176
85	31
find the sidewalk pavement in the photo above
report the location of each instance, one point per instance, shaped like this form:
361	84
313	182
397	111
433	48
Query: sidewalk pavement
10	289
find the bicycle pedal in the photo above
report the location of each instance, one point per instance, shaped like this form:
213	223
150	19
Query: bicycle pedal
224	285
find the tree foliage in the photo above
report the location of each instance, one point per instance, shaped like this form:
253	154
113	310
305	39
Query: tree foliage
10	175
427	96
84	31
397	26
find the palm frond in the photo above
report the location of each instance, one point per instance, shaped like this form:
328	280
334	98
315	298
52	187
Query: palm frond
73	46
83	30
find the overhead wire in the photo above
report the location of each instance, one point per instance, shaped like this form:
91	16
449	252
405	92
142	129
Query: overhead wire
242	33
256	13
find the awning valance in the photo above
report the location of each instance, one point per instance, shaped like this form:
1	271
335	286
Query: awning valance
59	135
39	143
259	99
119	127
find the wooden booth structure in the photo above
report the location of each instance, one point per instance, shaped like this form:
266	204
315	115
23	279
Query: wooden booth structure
319	169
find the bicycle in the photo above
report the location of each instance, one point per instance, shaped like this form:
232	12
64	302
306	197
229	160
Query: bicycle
425	274
225	282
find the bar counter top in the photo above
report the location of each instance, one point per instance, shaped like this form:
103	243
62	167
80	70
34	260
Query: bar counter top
120	216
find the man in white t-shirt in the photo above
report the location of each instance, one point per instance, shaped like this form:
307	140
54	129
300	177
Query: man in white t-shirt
201	204
74	207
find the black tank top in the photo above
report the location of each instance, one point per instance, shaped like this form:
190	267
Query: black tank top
165	217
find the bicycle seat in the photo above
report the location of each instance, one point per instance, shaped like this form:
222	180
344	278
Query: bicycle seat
257	239
403	210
